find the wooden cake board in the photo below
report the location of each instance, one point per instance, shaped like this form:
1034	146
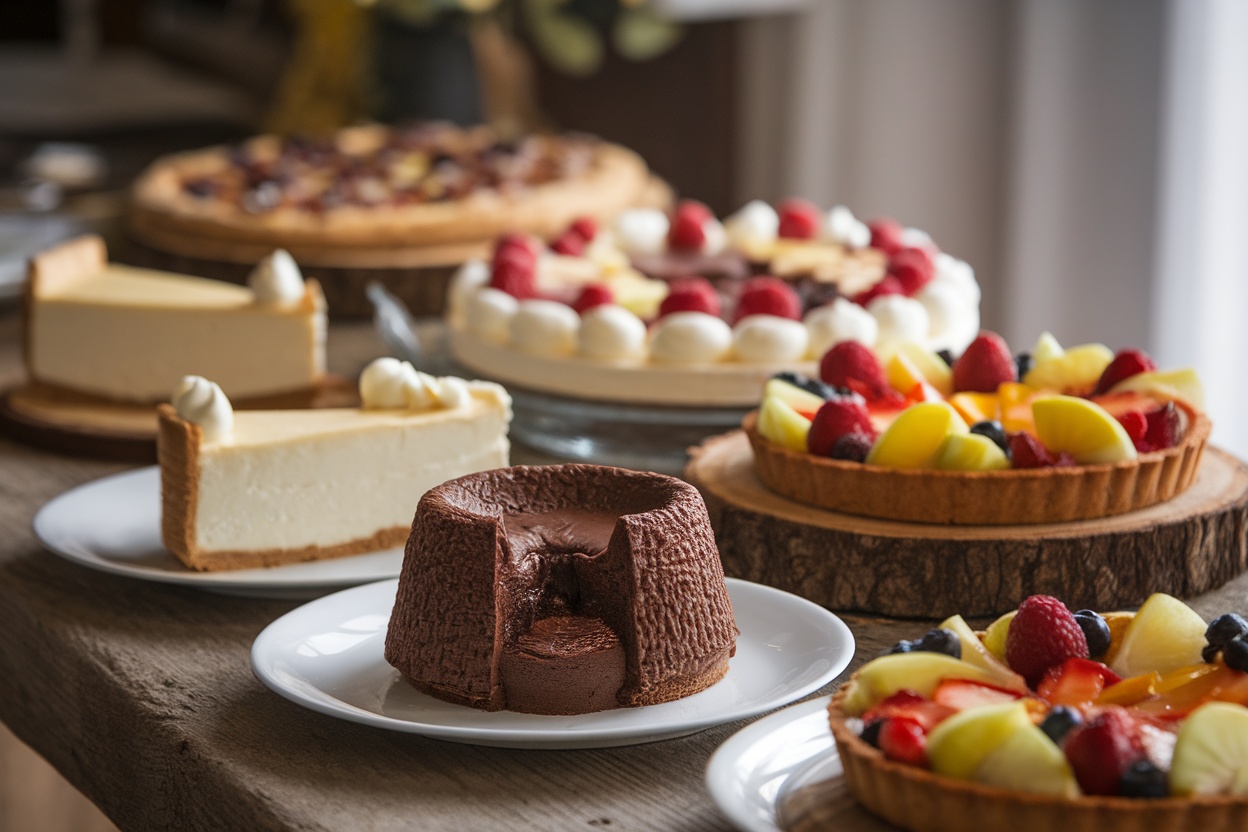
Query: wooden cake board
81	425
1188	545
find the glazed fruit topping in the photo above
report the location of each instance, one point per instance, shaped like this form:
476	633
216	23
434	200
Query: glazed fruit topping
687	231
1144	779
690	294
835	419
904	740
1060	721
1095	630
799	220
1027	452
960	694
992	429
1101	751
811	385
852	447
1222	631
939	640
854	366
913	268
1126	363
769	296
1076	682
985	365
1042	635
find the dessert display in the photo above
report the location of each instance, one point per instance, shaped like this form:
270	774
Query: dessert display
262	488
1053	719
593	317
561	589
1049	435
125	334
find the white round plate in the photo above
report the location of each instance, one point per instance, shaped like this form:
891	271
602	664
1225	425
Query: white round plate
758	765
113	524
328	656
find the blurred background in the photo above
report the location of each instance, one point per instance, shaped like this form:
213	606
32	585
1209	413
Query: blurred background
1088	157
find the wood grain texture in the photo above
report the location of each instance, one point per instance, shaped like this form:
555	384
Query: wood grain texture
1186	546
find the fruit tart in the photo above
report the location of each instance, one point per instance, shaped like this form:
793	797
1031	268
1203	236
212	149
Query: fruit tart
593	315
1055	720
1050	435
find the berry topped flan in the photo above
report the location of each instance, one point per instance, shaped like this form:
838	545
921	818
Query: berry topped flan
1053	719
592	317
987	439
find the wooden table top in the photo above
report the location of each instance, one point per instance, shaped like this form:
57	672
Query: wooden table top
142	696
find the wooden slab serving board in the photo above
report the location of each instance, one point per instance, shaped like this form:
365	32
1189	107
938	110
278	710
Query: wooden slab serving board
81	425
1195	542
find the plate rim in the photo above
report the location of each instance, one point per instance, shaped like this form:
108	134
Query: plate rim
731	749
540	738
268	578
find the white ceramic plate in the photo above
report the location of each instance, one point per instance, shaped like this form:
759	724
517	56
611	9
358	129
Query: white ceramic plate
113	524
328	656
755	767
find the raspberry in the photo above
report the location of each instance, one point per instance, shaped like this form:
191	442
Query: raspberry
1043	634
1027	452
986	364
836	418
687	231
517	246
691	294
1163	427
595	294
587	227
886	235
887	285
850	364
799	220
1126	363
913	268
515	276
768	296
570	243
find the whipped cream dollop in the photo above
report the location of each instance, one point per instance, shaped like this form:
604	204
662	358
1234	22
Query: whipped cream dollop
900	319
545	327
201	402
840	320
946	310
768	338
472	276
391	384
958	274
488	314
276	280
754	226
642	231
611	332
841	226
714	237
915	238
690	338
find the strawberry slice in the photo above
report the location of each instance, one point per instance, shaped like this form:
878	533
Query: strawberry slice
960	694
1102	749
904	740
1076	682
908	704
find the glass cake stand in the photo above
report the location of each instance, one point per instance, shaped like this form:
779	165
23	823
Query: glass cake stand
644	437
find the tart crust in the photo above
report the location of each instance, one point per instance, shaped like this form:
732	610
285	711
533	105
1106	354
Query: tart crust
982	498
178	455
917	800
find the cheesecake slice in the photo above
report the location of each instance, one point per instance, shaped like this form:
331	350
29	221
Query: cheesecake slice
130	334
263	488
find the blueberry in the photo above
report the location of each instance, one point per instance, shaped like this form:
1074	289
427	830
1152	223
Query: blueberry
903	646
1095	630
1225	629
1059	723
810	385
1023	363
941	641
946	356
871	733
995	432
852	447
1235	654
1143	779
1209	652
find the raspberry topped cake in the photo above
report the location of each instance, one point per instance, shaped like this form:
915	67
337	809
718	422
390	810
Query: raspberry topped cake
593	317
379	191
991	438
1053	719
